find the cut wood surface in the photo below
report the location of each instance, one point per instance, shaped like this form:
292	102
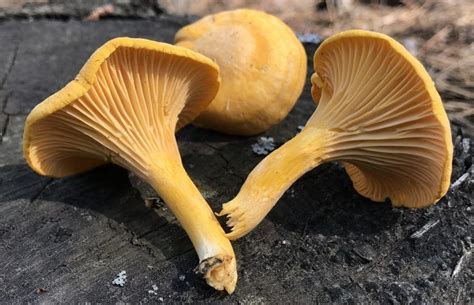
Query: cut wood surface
66	240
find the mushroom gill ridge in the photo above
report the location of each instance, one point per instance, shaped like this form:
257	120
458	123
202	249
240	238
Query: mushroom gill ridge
127	111
378	113
383	122
124	107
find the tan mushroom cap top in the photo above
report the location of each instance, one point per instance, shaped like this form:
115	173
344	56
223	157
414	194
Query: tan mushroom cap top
392	130
123	107
262	66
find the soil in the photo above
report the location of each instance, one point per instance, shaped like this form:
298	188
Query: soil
66	240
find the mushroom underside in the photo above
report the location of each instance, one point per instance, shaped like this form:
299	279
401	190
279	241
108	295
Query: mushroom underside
128	116
383	114
378	113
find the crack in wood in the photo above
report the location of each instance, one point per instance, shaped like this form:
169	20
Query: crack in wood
157	229
227	165
134	239
38	194
2	84
4	127
10	68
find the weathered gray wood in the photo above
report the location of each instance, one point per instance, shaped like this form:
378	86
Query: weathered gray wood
11	151
323	242
45	63
65	9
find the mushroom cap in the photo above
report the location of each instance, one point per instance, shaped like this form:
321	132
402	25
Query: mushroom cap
127	100
392	130
262	66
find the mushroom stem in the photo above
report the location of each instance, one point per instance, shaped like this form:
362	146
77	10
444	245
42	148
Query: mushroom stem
217	261
269	180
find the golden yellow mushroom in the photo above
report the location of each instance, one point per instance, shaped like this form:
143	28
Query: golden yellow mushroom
124	108
262	65
379	113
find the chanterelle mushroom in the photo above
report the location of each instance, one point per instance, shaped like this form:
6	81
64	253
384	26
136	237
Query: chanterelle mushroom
124	107
262	65
378	112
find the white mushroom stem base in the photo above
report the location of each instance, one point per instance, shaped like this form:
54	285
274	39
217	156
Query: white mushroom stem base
216	256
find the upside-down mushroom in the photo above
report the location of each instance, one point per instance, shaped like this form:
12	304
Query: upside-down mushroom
379	113
124	107
262	67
